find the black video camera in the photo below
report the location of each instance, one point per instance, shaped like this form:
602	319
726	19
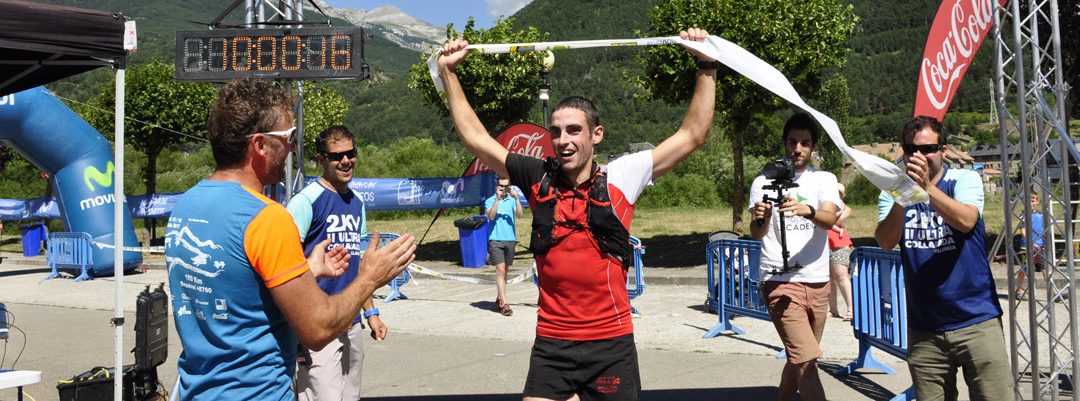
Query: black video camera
781	173
779	170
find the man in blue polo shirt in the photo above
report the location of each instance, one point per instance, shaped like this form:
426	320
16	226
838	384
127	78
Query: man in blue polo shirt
327	209
954	319
502	209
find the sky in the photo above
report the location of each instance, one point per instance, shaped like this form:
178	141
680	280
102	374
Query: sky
442	12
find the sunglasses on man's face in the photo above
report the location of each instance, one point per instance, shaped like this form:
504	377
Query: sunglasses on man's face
337	156
910	149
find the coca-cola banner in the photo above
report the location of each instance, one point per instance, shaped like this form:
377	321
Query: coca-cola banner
524	138
959	28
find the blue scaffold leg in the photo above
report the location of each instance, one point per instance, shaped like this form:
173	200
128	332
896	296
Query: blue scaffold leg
54	274
724	325
395	287
865	360
907	395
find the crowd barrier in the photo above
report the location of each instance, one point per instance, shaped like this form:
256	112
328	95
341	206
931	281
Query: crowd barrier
69	250
397	282
635	283
880	318
734	283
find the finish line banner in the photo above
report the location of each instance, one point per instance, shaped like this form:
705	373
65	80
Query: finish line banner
883	174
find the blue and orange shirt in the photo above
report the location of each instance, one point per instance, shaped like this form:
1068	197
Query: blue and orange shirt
321	213
225	247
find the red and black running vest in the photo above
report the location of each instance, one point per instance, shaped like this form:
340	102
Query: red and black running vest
607	231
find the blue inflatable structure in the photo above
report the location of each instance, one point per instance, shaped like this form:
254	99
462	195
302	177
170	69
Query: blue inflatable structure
55	139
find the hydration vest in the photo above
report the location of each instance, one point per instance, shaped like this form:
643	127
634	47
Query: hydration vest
607	231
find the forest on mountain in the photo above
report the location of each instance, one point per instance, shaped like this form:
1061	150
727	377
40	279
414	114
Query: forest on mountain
881	70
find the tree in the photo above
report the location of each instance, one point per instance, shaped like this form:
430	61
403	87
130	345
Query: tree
323	107
800	38
160	112
501	87
835	102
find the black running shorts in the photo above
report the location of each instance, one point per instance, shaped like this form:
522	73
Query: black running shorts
604	370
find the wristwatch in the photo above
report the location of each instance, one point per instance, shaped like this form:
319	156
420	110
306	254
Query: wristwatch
708	65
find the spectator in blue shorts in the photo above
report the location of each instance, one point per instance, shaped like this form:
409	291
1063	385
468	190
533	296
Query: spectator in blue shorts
502	209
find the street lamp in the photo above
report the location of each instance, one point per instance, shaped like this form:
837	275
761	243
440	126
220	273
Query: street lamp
545	88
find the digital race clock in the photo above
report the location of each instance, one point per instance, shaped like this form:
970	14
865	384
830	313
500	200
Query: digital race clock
304	53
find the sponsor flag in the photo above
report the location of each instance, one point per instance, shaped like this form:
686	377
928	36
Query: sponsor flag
959	28
524	138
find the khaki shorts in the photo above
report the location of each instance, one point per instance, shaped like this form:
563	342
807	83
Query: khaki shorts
798	312
979	350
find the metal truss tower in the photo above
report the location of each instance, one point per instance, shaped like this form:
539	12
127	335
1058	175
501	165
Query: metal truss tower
264	13
1030	103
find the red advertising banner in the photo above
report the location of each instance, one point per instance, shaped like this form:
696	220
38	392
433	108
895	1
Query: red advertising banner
524	138
959	28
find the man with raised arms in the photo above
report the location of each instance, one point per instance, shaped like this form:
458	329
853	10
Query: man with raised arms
584	346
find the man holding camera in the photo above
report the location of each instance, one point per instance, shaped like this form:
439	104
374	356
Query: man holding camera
954	318
796	290
502	210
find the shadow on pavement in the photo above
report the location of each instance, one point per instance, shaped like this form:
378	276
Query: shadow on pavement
445	251
728	394
19	272
487	306
860	382
671	250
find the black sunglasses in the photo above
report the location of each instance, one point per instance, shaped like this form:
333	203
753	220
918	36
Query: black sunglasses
910	149
336	156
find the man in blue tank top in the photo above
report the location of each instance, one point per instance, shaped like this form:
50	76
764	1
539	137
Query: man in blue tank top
327	209
954	319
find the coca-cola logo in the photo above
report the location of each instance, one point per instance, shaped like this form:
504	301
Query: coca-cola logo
958	30
527	144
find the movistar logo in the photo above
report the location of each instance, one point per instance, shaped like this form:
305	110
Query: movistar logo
91	173
798	197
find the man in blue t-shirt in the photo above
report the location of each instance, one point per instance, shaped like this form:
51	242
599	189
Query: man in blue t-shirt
327	209
954	319
502	209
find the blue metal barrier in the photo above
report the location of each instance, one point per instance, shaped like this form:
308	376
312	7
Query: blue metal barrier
70	250
397	282
880	319
733	280
635	284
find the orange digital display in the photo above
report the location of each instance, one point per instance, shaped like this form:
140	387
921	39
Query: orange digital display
302	53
